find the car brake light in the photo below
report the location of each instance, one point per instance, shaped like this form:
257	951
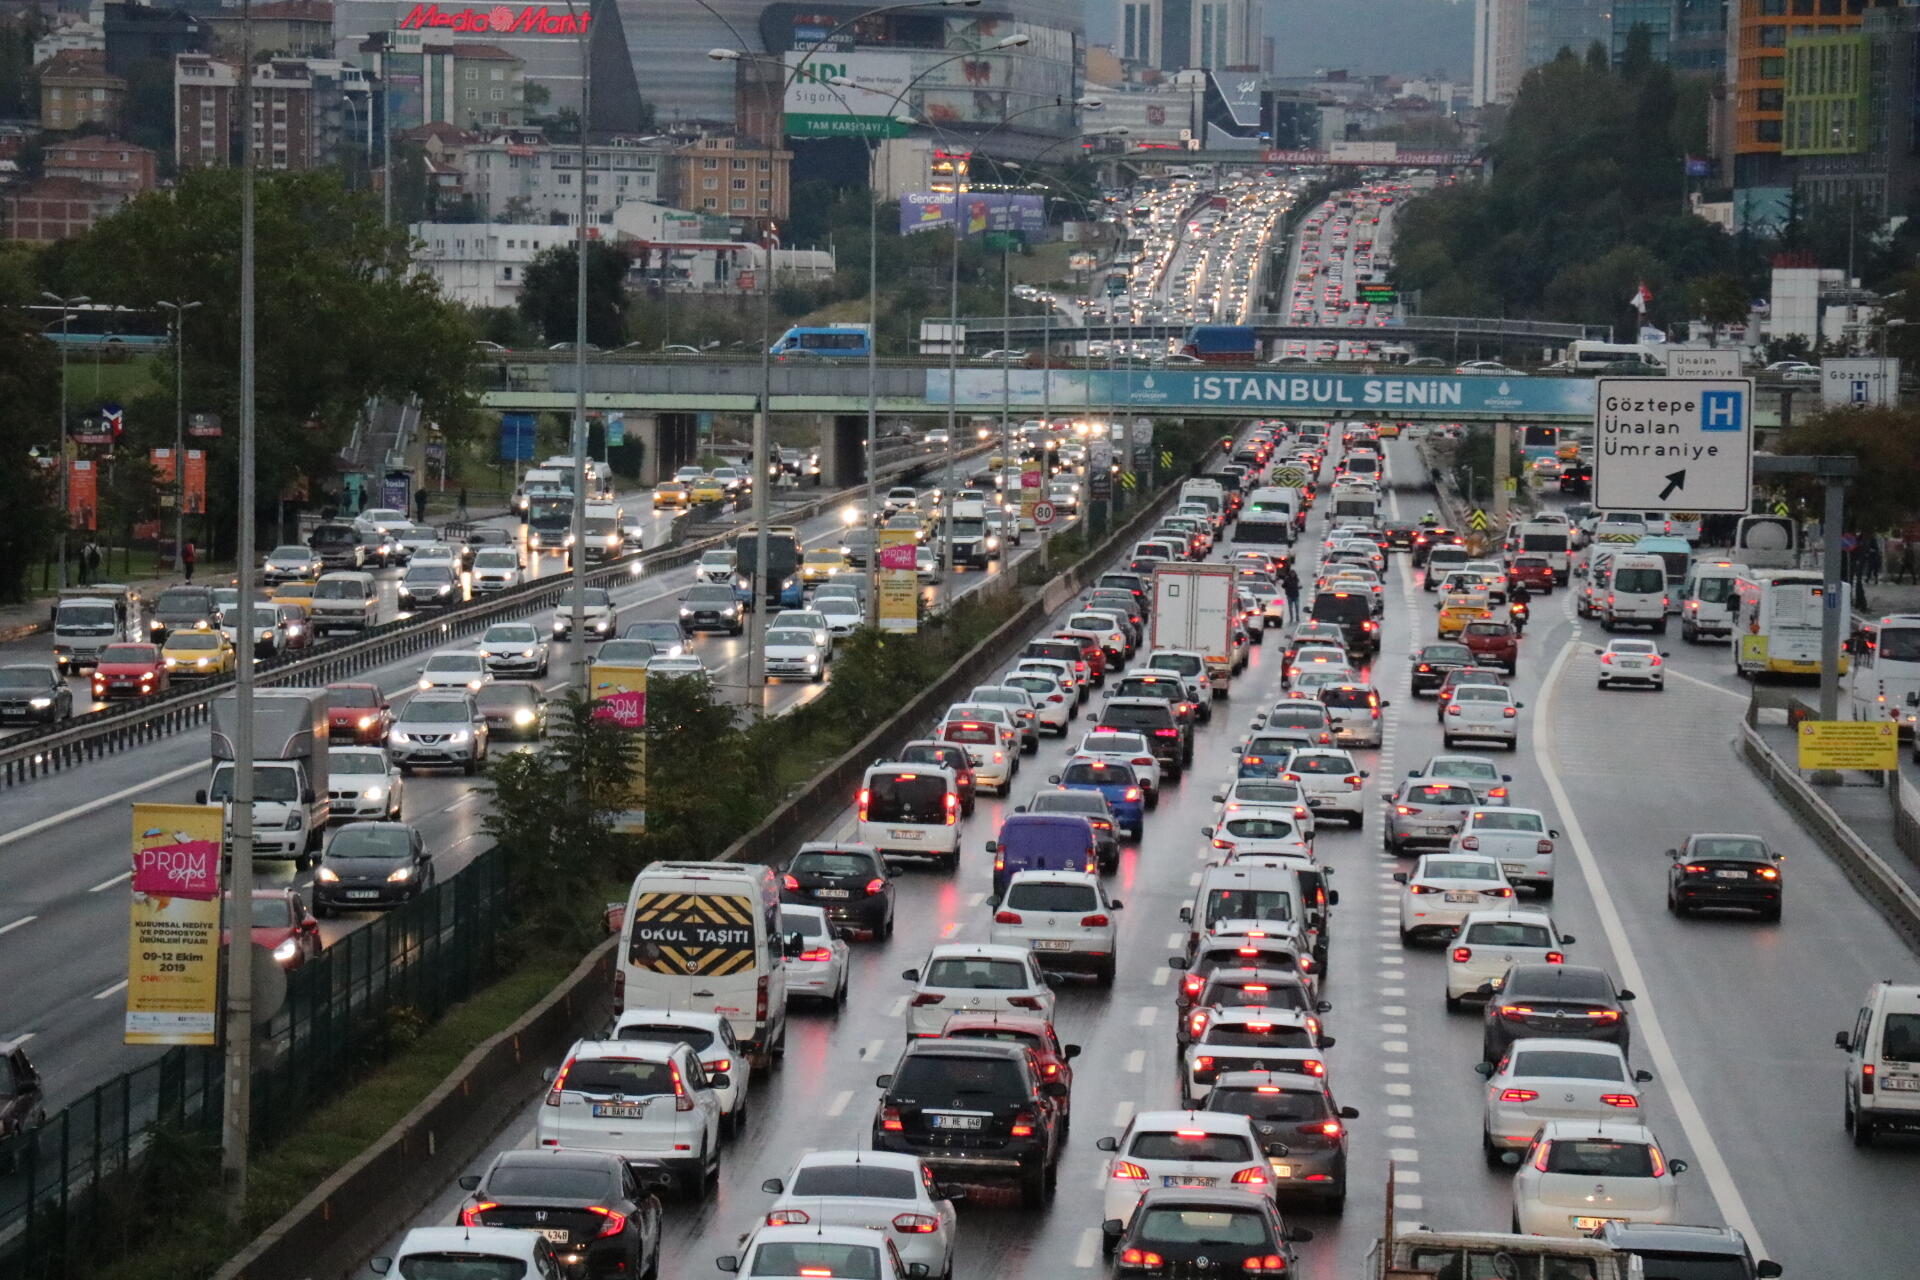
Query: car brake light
1453	708
1093	922
818	955
916	1224
1022	1125
1498	893
1024	1002
876	886
1518	1095
682	1101
1131	793
470	1216
1006	917
1540	1157
1421	888
1516	1011
925	998
890	1119
1695	868
559	1084
1203	1063
1625	1100
1604	1015
1509	712
1253	1177
789	1218
615	1221
1313	1067
1866	1077
1462	954
1543	846
1191	984
1140	1258
865	796
1128	1171
1353	779
1497	793
1659	1162
790	882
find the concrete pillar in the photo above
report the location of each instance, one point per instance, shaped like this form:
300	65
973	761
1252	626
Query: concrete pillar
1502	469
843	450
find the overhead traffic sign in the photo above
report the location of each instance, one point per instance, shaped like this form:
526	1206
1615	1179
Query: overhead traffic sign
1849	744
1702	362
1673	444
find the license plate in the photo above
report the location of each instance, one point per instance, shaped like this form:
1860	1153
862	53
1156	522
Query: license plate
619	1110
1901	1084
956	1122
1185	1180
832	893
363	893
558	1235
1469	896
1731	875
1314	802
1593	1224
1436	831
906	833
1280	1170
1513	868
1052	944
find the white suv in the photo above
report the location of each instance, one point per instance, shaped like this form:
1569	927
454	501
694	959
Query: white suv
1216	1150
1064	917
974	978
639	1100
710	1036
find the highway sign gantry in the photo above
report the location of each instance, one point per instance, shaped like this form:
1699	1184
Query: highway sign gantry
1673	444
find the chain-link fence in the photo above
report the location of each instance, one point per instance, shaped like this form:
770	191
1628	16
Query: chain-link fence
75	1188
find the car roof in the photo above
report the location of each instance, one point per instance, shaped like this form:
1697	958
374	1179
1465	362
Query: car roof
556	1157
819	1233
508	1242
650	1050
878	1159
984	950
1259	1013
1610	1130
1517	916
1053	877
673	1017
994	1018
1216	1121
968	1049
1667	1237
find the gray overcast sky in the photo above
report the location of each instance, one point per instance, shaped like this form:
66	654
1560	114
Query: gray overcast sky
1396	37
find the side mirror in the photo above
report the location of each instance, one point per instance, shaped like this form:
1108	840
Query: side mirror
952	1195
919	1269
1186	915
1485	989
719	1080
1414	773
1677	1166
200	797
1623	995
1643	1077
1327	1042
380	1266
1554	832
1366	773
1399	877
1674	854
1767	1268
548	1073
1019	808
1070	1052
1112	1228
910	975
1176	962
1054	1088
1323	1006
727	1262
993	900
1386	702
1207	831
1114	904
469	1182
1054	778
1567	939
773	1186
1843	1040
1333	897
991	846
1506	777
1296	1235
1349	1113
1483	1069
883	1082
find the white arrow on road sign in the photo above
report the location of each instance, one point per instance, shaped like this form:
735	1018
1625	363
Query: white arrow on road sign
1673	444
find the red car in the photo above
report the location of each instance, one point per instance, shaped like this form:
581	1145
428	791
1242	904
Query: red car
1534	571
283	925
360	712
1494	643
129	671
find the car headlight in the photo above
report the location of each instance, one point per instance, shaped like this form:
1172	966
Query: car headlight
40	704
474	684
400	873
294	820
458	735
286	951
559	626
443	589
528	653
730	610
613	540
377	791
523	717
199	662
327	875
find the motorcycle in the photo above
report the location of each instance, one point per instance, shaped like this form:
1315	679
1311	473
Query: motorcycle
1518	612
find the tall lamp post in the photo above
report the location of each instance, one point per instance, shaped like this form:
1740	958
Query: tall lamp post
66	306
577	545
179	309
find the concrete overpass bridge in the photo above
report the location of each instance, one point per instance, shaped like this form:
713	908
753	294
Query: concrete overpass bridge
1455	337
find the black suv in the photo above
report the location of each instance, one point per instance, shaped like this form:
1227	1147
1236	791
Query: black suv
1156	720
1171	688
1194	1232
1353	614
974	1111
184	609
1573	1000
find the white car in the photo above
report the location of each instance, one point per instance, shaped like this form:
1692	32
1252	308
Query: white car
291	563
1518	839
1250	832
1252	1038
1488	943
1266	793
992	745
1445	888
442	554
926	564
810	619
514	648
1129	749
818	958
1332	781
596	614
860	1188
1211	1149
1577	1176
1355	710
1490	786
677	666
717	567
710	1036
795	653
974	978
1542	1078
1488	712
497	569
1052	705
1064	917
499	1253
1630	662
456	669
798	1253
1018	702
1063	673
379	519
364	784
639	1100
844	614
1309	683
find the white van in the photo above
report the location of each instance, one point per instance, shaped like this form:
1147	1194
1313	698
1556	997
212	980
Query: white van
1271	517
1633	594
911	810
1240	899
1709	599
705	937
1883	1062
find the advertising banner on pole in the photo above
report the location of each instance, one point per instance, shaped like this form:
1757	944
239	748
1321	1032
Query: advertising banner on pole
173	938
1032	488
620	695
83	493
196	496
899	581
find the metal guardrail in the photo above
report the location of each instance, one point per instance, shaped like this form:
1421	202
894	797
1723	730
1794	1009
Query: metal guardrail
100	733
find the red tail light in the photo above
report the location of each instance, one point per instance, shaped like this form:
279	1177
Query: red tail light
720	1064
1127	1171
1267	1262
925	998
1254	1177
1498	893
1140	1258
1625	1100
890	1119
760	999
1094	922
1462	954
1191	985
1516	1012
1006	917
559	1083
916	1224
1022	1125
1142	760
1314	1067
790	882
1866	1077
1555	957
1604	1015
876	887
1203	1063
1353	779
1421	888
1132	793
789	1218
1518	1095
1322	1128
865	797
818	955
682	1100
1497	793
1166	733
1540	1157
614	1223
470	1216
1025	1002
1509	712
1452	709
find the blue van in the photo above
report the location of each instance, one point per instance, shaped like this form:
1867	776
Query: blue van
1043	842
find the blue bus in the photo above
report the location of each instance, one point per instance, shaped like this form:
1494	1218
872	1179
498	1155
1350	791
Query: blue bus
1537	443
835	341
95	324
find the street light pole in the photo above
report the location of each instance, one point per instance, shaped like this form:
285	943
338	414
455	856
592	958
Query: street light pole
757	580
60	437
578	624
179	309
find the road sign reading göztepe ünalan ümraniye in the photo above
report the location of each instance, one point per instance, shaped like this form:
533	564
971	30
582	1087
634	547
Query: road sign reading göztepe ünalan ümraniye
1673	444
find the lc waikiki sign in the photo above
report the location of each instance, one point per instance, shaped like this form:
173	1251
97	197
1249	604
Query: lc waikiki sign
501	19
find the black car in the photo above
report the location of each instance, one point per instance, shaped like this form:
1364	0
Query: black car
1699	1253
668	640
601	1212
1398	534
950	755
1090	805
974	1111
1171	689
1428	538
1155	720
1194	1232
1139	585
1576	478
371	864
1299	1126
22	1101
183	609
711	608
1352	611
1431	662
30	691
850	882
1575	1001
513	710
1242	987
1714	871
429	586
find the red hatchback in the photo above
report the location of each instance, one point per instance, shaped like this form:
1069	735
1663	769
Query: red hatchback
1535	571
283	925
129	671
1494	644
360	712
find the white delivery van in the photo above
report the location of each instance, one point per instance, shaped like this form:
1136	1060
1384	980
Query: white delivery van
1883	1063
1551	540
705	937
1270	517
911	810
1634	593
1709	599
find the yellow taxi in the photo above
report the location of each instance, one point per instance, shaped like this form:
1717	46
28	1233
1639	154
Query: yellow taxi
821	565
1458	610
1388	430
707	489
197	655
295	591
669	493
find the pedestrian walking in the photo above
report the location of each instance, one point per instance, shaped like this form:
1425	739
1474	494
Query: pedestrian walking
462	506
1870	556
187	556
420	505
1290	586
89	562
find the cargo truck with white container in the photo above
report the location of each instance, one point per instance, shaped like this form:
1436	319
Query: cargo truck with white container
291	801
1193	609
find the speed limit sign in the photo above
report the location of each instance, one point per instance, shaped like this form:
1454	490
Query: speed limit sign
1044	514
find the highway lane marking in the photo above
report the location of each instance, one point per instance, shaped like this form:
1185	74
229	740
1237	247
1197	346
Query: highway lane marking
1396	1068
1162	976
1177	939
899	1007
840	1102
1146	1015
1123	1112
92	806
1404	1201
1088	1249
1706	684
113	990
1399	1111
1401	1176
11	925
1409	1154
1137	1061
108	884
23	1037
1393	1010
872	1052
1398	1090
1706	1154
1390	991
1402	1131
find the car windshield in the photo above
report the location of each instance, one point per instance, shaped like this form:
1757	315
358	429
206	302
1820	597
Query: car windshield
458	662
1480	693
132	654
342	695
1259	829
1045	896
1186	664
274	913
1639	581
25	678
1193	1146
1553	981
1137	717
1225	1228
1633	646
560	1182
1258	1035
707	597
833	864
1509	933
511	633
1270	1102
1446	653
1041	685
361	841
629	1076
433	711
1900	1041
1116	743
1436	793
86	615
365	761
496	558
1598	1158
933	1075
1296	715
1248	904
1322	765
864	1180
695	1038
978	973
1488	629
815	1258
337	589
1507	820
790	637
1458	869
1347	698
1096	773
271	784
1266	793
905	796
1567	1064
193	640
629	652
460	1266
506	697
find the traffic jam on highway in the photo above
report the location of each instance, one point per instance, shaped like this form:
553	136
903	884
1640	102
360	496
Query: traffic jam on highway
1321	888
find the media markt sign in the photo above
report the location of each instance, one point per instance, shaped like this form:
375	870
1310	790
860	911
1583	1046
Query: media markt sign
499	19
1673	444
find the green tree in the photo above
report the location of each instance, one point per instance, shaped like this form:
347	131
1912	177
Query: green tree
1887	442
341	320
549	294
30	388
1720	299
1636	60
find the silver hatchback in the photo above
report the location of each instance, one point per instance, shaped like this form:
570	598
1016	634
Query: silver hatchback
1425	814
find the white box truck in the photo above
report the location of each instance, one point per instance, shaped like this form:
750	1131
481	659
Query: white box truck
1193	609
291	801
